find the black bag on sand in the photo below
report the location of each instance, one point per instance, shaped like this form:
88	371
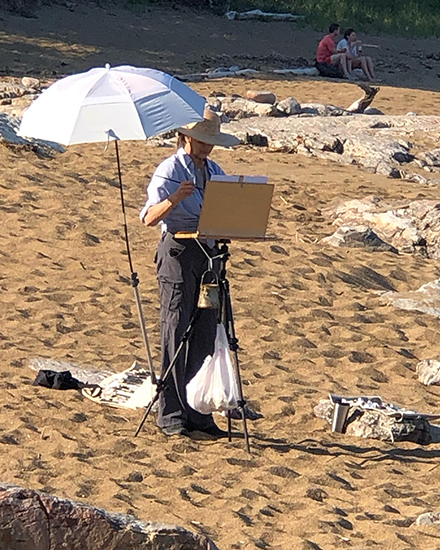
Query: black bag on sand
57	380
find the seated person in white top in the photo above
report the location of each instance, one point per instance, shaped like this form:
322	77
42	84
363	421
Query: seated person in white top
352	47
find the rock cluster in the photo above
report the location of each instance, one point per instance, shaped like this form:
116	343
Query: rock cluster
376	224
376	425
9	126
376	142
236	107
30	520
16	95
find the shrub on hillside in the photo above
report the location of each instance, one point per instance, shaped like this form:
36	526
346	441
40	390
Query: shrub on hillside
25	8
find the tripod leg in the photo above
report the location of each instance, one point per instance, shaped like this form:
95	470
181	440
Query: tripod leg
245	429
229	426
161	384
233	345
147	411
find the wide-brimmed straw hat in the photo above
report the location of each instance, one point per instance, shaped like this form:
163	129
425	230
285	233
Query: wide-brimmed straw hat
208	131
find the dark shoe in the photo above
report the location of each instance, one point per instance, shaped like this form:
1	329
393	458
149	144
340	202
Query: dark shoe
178	429
250	414
212	430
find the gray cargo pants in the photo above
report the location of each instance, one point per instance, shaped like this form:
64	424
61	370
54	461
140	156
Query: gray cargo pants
180	266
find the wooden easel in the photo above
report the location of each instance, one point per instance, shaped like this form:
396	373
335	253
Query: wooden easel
235	208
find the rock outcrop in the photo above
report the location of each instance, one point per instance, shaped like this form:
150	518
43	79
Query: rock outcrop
359	236
428	518
428	372
426	299
15	96
378	143
9	137
405	226
30	520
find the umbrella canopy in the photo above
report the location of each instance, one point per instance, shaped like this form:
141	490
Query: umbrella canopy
129	102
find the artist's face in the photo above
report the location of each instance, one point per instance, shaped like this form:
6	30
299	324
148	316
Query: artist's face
197	149
352	37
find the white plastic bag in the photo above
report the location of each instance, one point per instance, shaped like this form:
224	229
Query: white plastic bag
214	387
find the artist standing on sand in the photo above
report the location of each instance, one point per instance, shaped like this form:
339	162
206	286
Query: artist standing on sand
175	198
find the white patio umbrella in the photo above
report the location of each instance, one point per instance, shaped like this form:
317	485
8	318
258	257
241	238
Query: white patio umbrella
113	104
131	103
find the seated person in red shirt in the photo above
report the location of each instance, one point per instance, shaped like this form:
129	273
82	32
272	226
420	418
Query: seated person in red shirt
329	61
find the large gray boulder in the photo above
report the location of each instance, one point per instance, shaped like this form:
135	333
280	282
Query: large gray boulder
30	520
238	108
428	372
429	519
425	299
407	226
358	236
289	106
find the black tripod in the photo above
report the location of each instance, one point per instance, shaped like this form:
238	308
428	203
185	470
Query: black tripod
225	316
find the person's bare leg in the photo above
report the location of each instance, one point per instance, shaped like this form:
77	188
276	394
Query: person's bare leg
344	65
364	67
371	67
341	60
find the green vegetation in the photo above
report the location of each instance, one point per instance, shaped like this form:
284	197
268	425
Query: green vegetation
401	17
404	17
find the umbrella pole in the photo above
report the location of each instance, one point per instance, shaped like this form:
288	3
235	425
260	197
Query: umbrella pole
134	275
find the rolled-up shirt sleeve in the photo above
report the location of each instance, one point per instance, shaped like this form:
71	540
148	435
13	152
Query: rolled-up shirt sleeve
154	193
158	190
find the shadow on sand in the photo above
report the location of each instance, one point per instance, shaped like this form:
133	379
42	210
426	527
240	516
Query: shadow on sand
335	449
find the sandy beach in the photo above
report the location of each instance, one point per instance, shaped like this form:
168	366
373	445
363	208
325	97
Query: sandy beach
308	316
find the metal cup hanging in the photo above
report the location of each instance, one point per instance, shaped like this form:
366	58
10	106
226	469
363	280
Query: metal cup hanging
209	296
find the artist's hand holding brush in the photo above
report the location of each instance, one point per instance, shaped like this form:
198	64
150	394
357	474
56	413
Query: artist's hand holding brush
185	190
158	212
